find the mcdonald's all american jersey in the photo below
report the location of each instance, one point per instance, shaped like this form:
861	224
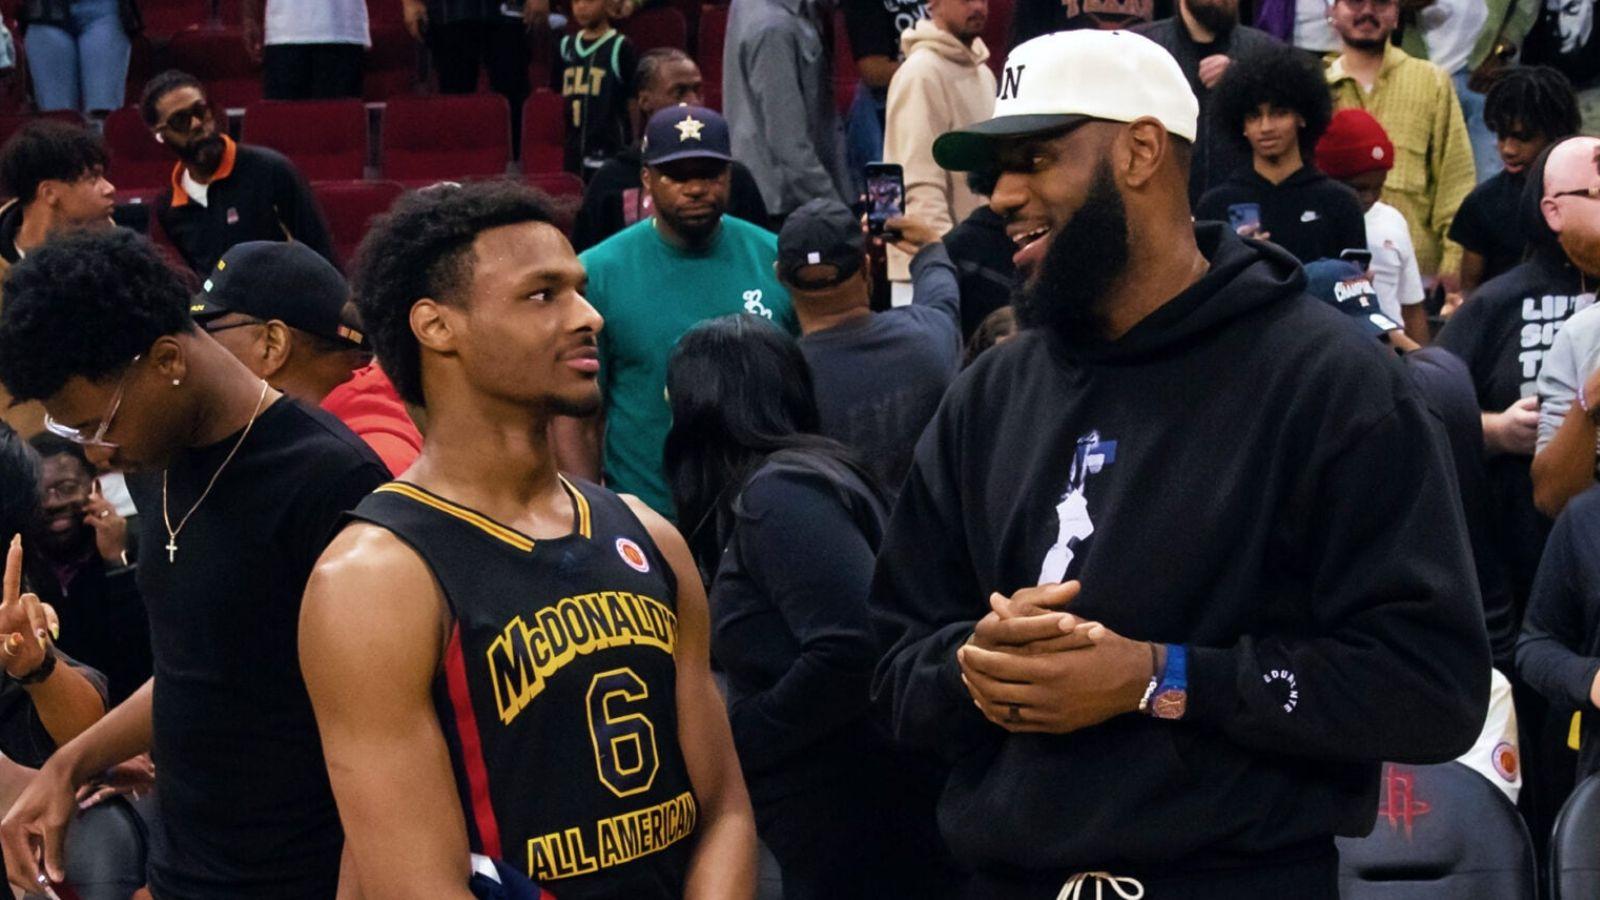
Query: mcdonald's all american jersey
557	696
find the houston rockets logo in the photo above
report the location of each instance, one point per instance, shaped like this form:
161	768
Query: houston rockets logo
1398	802
1072	511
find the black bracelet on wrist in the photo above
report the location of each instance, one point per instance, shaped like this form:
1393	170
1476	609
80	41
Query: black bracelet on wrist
45	670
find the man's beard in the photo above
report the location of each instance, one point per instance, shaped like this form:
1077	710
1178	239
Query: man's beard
694	231
1217	18
1086	255
206	151
1582	248
1366	43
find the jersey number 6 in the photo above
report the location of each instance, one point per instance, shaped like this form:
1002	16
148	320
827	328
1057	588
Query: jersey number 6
624	742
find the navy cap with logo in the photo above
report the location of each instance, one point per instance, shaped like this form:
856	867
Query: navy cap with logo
1344	286
686	132
823	232
279	280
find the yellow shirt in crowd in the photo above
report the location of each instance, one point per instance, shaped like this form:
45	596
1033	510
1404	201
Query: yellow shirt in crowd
1433	172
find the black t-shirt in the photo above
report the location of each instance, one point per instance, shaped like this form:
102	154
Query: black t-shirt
875	25
1031	18
246	810
1502	334
1308	214
103	619
1567	36
1489	223
615	198
23	738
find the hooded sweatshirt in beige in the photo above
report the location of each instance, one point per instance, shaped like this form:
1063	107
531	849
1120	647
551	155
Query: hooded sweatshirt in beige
942	85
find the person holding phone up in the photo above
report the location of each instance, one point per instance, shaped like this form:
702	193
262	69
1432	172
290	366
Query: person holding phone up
1276	103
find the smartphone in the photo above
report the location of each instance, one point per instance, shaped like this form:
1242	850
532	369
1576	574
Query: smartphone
1362	258
886	194
1244	216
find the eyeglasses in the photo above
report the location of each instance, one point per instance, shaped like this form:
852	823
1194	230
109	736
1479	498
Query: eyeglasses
1593	193
184	120
65	491
77	436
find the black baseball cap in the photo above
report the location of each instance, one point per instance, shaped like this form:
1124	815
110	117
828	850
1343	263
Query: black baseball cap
1344	286
279	280
823	232
686	132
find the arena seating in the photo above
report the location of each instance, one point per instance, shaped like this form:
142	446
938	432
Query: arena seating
137	161
1442	831
426	139
658	26
544	131
350	207
1574	845
326	139
217	57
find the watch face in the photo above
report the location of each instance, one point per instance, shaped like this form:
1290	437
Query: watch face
1170	704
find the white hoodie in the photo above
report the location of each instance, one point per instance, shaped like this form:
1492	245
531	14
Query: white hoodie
942	85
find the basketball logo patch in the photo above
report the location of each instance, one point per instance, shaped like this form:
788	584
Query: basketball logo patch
1505	760
632	555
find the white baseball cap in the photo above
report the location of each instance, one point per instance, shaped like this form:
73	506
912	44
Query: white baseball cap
1069	77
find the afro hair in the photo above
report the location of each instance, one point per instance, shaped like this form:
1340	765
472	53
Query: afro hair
1282	78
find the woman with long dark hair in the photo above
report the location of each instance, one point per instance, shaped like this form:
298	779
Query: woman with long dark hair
785	524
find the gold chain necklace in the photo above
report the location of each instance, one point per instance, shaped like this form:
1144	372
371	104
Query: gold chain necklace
166	519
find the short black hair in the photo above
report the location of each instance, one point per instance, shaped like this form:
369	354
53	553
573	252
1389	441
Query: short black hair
652	61
1281	77
47	150
421	248
160	86
48	445
85	304
1532	101
19	484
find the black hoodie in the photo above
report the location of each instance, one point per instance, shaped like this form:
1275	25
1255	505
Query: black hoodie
1308	214
1261	483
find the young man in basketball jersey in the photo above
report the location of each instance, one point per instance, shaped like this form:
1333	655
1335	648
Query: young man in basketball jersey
504	661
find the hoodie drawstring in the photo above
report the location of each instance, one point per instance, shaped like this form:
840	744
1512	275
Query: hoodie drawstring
1073	889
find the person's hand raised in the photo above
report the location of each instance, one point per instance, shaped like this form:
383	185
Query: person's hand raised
24	625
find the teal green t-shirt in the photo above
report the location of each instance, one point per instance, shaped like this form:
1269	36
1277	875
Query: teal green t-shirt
650	293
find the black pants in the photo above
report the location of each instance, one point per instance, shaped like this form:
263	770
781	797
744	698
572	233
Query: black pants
312	71
460	49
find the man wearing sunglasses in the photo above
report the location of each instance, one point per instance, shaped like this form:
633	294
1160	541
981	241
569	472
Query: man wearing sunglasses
240	489
223	193
306	341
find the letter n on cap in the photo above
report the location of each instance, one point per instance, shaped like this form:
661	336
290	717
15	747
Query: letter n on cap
1012	82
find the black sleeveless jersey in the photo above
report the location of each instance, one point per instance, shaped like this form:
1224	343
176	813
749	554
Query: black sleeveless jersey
557	696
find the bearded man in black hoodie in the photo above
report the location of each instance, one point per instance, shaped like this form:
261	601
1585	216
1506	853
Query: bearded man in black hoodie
1177	568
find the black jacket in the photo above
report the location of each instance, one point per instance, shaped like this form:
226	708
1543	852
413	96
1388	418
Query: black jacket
1244	473
1217	154
1308	214
982	255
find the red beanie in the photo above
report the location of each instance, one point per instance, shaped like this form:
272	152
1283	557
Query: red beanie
1354	143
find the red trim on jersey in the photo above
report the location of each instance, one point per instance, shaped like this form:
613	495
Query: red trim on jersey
455	673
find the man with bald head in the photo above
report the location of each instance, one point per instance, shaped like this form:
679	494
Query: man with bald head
1509	330
1178	566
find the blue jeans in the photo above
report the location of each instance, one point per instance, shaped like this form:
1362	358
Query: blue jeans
83	66
863	132
1485	148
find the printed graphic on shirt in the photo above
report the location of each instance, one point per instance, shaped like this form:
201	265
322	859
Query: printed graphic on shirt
754	306
1074	524
1542	317
1111	9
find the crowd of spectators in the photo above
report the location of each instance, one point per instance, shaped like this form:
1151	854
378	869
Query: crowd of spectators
1213	420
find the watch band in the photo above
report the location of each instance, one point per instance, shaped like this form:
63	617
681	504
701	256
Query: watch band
1171	698
46	668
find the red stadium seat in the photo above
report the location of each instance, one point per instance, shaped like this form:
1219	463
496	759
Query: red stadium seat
658	26
845	74
326	139
384	12
445	137
391	65
11	124
557	184
165	18
137	161
544	132
350	206
708	49
997	33
216	56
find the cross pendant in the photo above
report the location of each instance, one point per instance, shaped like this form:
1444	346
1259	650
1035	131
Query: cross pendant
172	550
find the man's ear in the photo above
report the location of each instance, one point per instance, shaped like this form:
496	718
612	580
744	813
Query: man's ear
277	345
1141	149
1551	211
435	325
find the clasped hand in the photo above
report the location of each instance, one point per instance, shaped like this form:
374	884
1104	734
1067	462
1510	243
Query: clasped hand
1030	666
